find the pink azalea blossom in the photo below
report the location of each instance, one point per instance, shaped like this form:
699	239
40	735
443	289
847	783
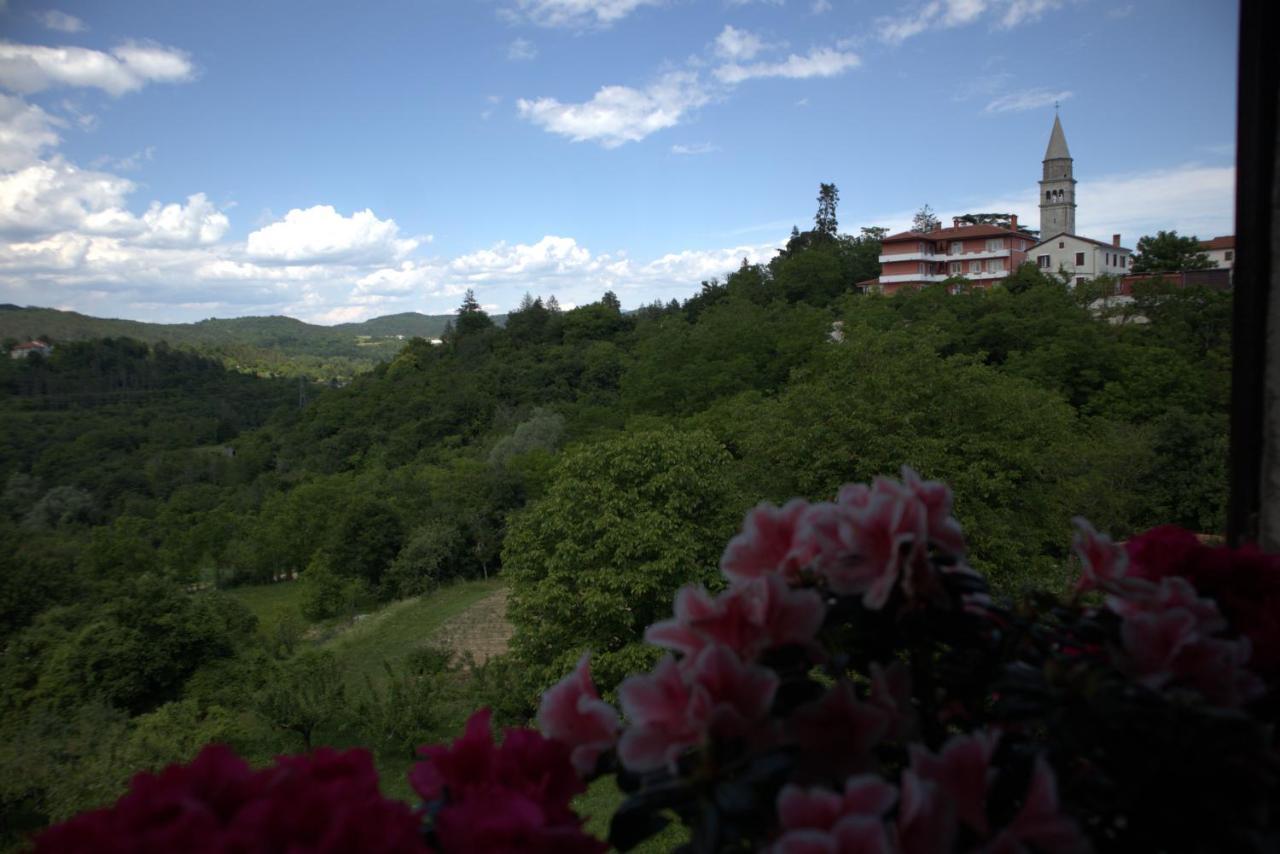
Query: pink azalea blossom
820	820
1168	636
891	692
1040	826
768	543
1102	562
748	618
962	772
573	714
877	542
677	707
837	733
509	797
926	817
943	530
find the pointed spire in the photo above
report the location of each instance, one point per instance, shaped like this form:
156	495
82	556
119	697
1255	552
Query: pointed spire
1057	149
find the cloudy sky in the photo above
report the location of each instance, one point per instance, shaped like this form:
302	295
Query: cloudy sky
167	160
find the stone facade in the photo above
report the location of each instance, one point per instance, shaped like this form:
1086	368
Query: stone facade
1057	186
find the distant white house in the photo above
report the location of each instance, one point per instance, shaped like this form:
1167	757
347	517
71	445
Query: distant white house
1221	250
26	348
1081	258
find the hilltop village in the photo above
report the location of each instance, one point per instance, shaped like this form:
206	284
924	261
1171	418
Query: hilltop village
983	248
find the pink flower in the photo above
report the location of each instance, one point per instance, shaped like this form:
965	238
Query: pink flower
837	733
1040	825
926	817
1102	562
748	618
768	543
512	797
962	772
1167	634
326	801
573	714
891	692
676	708
1244	582
943	530
1153	641
876	543
820	820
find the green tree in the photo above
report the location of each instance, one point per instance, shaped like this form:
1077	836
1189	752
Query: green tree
925	220
1167	252
471	317
625	523
367	538
824	222
304	694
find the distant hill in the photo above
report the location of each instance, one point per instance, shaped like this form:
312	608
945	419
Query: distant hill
271	345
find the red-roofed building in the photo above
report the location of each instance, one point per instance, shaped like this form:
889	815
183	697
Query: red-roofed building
26	348
1221	250
983	254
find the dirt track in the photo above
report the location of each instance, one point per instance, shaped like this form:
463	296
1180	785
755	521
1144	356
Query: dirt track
482	630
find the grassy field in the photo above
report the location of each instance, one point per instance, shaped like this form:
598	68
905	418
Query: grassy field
270	602
389	635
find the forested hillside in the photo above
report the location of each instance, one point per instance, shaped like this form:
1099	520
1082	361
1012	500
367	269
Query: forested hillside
278	346
593	459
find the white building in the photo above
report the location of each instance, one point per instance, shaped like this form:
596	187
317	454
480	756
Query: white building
1081	258
1221	250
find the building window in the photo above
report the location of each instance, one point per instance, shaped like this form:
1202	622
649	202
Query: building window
975	266
1061	245
995	265
1079	259
955	268
1227	255
995	243
957	248
1079	280
1042	261
1124	261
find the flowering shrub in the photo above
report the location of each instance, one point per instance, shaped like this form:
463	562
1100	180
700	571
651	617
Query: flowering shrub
854	688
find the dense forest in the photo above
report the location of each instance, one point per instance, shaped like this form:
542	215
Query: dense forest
270	346
592	460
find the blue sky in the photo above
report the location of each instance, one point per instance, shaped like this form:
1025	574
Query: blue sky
172	161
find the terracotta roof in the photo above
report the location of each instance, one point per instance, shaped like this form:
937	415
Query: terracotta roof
31	345
956	233
1227	242
1101	243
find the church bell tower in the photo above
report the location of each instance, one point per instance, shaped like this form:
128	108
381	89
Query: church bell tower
1057	187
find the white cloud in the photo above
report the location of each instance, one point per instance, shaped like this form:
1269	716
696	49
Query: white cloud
46	197
736	45
25	132
320	233
196	222
128	163
1025	11
60	21
521	50
695	148
576	14
1027	99
820	7
127	68
619	114
944	14
819	62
